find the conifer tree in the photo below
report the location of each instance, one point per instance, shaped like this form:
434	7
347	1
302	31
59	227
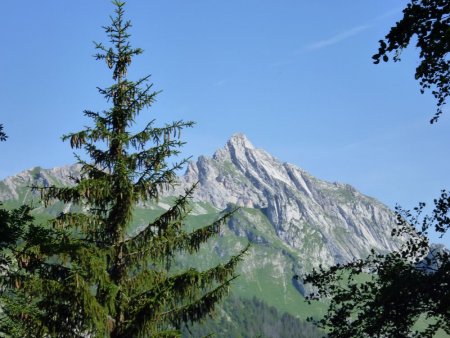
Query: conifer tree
87	274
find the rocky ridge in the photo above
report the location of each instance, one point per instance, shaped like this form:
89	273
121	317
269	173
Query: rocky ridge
325	223
294	221
339	222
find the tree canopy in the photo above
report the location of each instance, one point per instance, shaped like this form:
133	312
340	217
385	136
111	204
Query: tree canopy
3	135
400	294
429	22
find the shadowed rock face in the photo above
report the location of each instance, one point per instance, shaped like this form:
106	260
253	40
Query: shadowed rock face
322	222
337	222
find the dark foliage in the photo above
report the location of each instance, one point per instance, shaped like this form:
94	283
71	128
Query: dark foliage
240	317
15	225
16	261
3	136
388	295
429	22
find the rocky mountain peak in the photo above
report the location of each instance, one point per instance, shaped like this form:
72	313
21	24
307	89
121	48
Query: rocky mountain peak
237	146
239	140
339	221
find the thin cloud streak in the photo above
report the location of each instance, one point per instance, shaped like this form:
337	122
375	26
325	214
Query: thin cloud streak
344	35
388	14
351	32
337	38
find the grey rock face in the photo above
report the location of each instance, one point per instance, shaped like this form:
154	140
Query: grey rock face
437	255
333	221
323	223
18	187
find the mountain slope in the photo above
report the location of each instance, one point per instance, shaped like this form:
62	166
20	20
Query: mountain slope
328	222
294	221
241	318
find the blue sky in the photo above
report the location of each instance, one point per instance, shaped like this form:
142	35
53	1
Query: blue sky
295	76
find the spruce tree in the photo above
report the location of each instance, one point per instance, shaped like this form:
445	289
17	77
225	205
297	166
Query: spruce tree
87	274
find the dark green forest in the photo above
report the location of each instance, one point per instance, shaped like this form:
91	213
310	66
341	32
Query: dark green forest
247	318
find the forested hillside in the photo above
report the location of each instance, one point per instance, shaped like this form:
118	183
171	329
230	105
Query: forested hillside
245	318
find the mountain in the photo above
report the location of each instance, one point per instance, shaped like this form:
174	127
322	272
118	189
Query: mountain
329	222
294	221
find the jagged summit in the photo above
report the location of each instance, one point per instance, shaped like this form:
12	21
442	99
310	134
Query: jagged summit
240	140
237	146
338	221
